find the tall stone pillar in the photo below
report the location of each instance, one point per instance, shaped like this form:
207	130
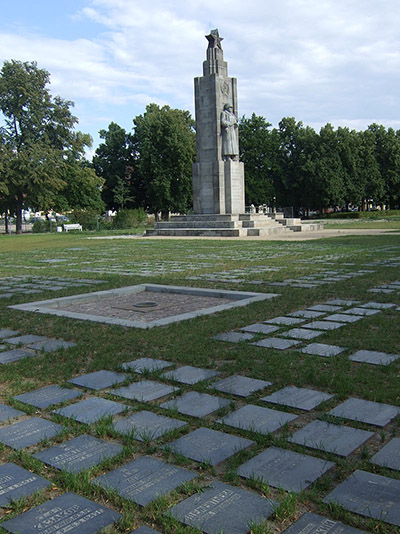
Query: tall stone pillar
218	176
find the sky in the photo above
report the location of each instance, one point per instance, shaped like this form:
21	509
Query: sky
319	61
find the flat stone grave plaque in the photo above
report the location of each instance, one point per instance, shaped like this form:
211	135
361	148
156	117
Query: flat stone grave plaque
285	321
325	308
8	412
373	413
373	357
378	305
79	453
389	455
144	391
223	508
342	302
44	397
13	355
24	340
16	482
260	328
369	495
361	311
257	419
91	410
343	318
323	325
67	513
338	439
52	345
321	349
145	530
144	479
190	375
147	426
301	398
239	385
28	432
196	404
99	379
234	337
6	333
307	314
310	523
282	468
209	446
276	343
143	365
302	333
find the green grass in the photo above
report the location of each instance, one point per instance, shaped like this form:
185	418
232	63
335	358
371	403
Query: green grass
101	346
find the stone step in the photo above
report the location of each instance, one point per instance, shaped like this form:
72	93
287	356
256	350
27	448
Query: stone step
197	224
197	232
204	217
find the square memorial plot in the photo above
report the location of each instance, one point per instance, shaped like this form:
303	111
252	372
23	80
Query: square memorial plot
342	302
28	432
306	314
239	385
143	365
339	439
190	375
389	455
323	325
209	446
325	308
343	318
302	333
196	404
44	397
13	355
51	345
147	426
8	412
310	523
361	311
378	305
144	391
223	508
374	357
260	328
98	380
301	398
67	513
369	495
373	413
257	419
276	343
91	410
234	337
25	340
144	479
285	321
16	482
321	349
282	468
6	333
79	453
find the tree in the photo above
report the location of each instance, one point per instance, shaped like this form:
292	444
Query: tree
164	142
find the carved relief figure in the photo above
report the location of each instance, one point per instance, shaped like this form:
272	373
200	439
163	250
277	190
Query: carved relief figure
229	126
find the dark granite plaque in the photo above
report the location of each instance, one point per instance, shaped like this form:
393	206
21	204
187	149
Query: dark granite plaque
146	426
310	523
260	328
234	337
343	302
369	495
323	325
361	311
145	479
67	513
16	482
378	305
321	349
14	355
144	391
98	379
325	308
210	446
343	318
6	333
257	419
373	357
302	333
285	321
301	398
79	453
7	412
307	314
389	455
276	343
339	439
24	340
373	413
285	469
145	364
28	432
243	386
145	530
44	397
52	345
190	375
91	410
196	404
223	508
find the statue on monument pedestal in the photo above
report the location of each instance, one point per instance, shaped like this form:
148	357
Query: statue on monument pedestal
229	126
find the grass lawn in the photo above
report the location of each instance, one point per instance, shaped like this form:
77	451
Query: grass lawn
198	263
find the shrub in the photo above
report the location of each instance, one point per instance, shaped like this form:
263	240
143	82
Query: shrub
89	219
129	218
40	227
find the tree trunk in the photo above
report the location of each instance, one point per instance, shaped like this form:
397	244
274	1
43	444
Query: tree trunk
18	222
6	223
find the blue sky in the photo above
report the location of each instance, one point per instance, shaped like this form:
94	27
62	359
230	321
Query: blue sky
320	61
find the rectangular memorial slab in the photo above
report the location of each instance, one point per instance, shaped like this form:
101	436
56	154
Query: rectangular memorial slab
98	380
146	365
13	355
343	318
301	398
361	311
25	340
79	453
209	446
196	404
374	357
342	302
260	328
389	455
52	345
67	513
147	426
378	305
144	479
282	468
44	397
338	439
285	321
310	523
234	337
28	432
144	391
6	333
307	314
373	413
91	410
369	495
321	349
323	325
16	482
7	412
276	343
325	308
190	375
257	419
239	385
302	333
223	508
